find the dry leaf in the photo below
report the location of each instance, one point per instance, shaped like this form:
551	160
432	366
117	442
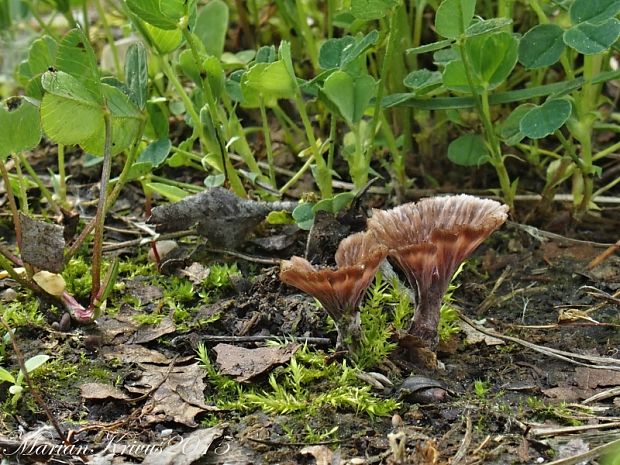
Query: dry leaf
245	364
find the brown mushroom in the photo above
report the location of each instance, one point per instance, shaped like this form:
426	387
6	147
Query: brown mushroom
340	290
429	239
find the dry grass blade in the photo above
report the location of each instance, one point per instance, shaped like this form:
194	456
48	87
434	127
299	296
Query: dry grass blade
604	362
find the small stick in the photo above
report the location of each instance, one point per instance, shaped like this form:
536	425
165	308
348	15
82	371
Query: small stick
33	390
323	341
465	443
604	256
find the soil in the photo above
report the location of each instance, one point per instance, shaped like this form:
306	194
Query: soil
502	401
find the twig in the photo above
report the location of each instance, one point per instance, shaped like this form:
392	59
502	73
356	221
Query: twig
591	454
465	443
604	256
243	339
33	390
147	240
247	258
606	363
540	234
545	432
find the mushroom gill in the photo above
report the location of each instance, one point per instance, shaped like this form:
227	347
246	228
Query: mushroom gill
429	239
340	290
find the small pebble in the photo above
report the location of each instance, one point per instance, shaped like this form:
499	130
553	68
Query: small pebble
93	342
163	249
166	432
397	421
8	295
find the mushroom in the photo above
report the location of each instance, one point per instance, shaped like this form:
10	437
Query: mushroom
340	290
429	239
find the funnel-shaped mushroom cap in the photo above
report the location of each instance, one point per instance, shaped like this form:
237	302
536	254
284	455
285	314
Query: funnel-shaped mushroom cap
340	290
429	239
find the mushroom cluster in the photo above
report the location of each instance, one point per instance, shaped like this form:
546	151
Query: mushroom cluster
428	240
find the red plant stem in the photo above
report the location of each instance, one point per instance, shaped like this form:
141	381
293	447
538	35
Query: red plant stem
101	209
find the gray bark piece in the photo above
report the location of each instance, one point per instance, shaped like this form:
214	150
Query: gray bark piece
43	244
222	217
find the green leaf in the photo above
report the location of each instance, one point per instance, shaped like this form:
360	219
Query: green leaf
270	81
545	119
335	203
6	376
35	362
77	58
20	126
453	17
372	9
330	54
541	46
172	193
41	56
422	80
487	26
212	25
350	95
69	113
590	39
138	170
359	47
280	217
215	75
126	118
303	215
430	47
163	14
510	131
468	150
136	74
491	57
593	11
165	41
156	152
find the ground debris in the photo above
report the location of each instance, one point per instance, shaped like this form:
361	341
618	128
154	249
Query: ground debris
189	449
43	244
100	391
245	364
222	217
174	393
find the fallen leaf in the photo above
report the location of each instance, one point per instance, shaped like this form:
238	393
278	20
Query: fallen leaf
322	454
146	293
245	364
175	394
148	333
189	449
133	353
473	336
196	273
100	391
592	378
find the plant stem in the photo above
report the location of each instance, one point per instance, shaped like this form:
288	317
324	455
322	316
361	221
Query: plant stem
180	185
387	60
110	38
306	33
23	194
218	122
6	264
101	210
267	136
323	175
37	180
62	178
297	175
333	121
17	224
482	105
122	179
